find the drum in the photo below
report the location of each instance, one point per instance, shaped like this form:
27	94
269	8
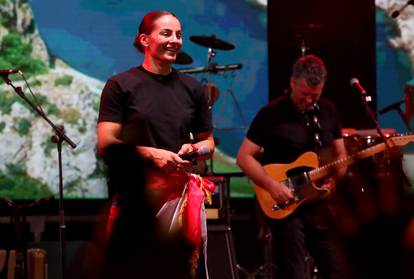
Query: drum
358	140
353	144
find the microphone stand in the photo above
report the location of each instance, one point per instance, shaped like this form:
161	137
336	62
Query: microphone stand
397	106
365	99
58	138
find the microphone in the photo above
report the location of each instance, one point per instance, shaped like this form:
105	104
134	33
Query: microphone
191	156
355	84
8	72
398	12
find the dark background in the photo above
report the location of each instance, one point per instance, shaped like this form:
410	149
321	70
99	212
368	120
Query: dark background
345	40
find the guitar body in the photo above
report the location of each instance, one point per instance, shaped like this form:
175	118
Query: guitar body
300	175
304	192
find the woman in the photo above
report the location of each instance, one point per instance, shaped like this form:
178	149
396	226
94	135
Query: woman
157	109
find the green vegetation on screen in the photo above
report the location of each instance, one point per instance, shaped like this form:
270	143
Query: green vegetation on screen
16	184
15	54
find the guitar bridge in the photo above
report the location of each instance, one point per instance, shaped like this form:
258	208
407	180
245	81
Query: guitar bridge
281	206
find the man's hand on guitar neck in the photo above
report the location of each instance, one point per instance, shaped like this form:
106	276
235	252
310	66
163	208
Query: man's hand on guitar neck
279	192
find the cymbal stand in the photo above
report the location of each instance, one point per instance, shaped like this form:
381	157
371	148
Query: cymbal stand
210	65
212	68
211	53
303	47
365	99
236	103
230	92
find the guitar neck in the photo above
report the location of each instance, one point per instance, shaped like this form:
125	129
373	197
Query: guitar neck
328	169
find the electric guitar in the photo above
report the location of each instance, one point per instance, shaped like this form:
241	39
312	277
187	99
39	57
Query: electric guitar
300	177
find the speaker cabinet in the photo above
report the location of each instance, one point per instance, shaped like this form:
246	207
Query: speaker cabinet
215	210
221	260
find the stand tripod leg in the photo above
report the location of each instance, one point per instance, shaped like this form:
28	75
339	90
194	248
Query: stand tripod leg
251	275
266	270
238	108
268	257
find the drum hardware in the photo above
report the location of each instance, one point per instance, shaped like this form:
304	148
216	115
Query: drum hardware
357	140
211	68
212	42
397	106
388	132
183	58
305	37
365	98
210	89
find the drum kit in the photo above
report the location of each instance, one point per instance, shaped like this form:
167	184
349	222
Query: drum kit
304	36
212	43
358	140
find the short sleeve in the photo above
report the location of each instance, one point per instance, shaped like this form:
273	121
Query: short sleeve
256	129
111	105
337	128
202	121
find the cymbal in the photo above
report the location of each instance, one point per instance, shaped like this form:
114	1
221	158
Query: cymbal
183	58
309	35
212	68
212	42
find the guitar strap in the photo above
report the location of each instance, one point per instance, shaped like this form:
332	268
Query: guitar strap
314	125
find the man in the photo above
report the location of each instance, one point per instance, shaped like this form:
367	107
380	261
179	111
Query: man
280	133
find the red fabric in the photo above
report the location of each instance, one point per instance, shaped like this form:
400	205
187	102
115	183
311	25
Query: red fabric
197	187
113	215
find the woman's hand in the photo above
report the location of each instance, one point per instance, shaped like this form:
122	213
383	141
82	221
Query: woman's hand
168	161
163	159
187	148
202	153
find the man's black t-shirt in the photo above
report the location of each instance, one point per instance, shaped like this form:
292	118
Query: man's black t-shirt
285	133
154	110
